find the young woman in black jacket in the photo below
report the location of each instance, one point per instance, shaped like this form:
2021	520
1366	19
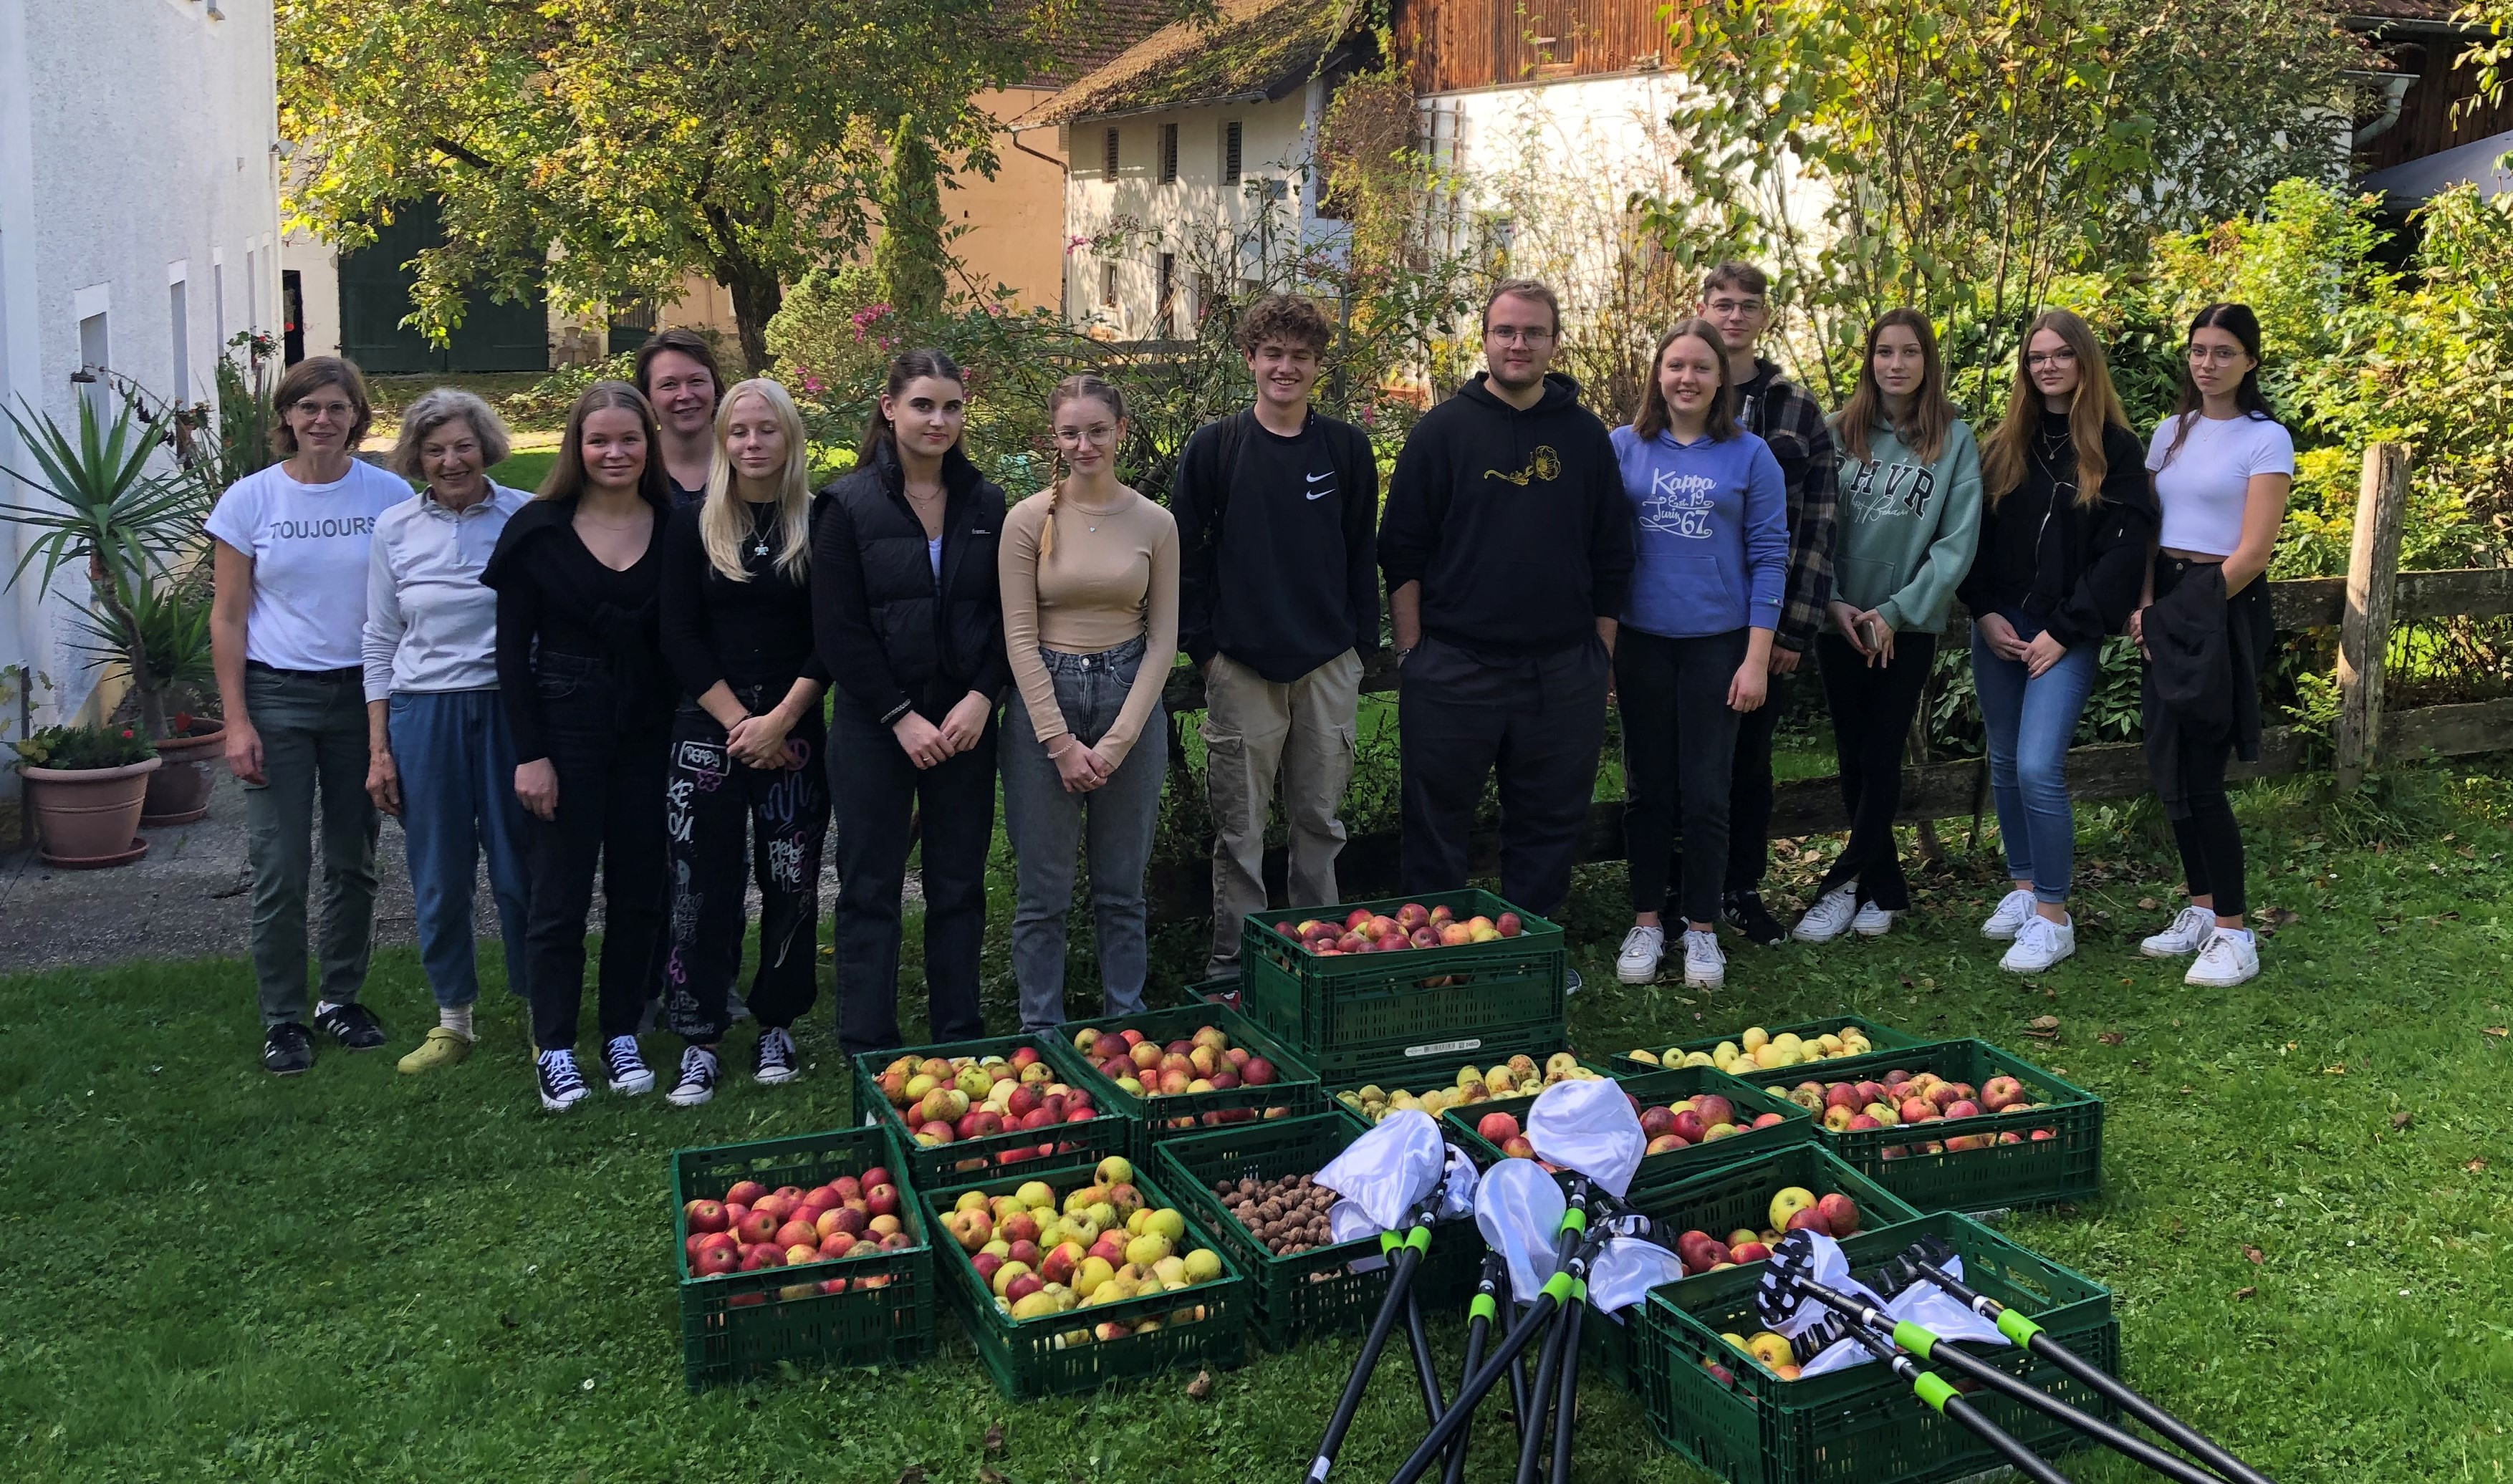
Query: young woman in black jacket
589	705
906	613
746	766
2066	519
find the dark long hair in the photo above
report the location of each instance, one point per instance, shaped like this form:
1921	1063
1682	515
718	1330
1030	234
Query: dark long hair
1930	415
905	367
2238	321
565	480
1654	417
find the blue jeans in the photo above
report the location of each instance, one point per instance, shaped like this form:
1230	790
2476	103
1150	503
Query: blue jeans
2030	721
1113	825
458	803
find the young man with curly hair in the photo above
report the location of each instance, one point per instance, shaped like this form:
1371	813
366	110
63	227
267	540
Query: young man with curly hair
1278	600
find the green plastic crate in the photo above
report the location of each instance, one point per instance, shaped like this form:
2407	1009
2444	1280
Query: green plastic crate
1030	1358
1353	1013
1880	1039
1313	1292
1653	1089
1295	1089
743	1324
2067	1166
1437	1064
1860	1425
1213	992
1111	1133
1719	1203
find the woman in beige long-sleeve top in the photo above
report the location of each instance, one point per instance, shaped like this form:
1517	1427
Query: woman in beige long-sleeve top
1090	575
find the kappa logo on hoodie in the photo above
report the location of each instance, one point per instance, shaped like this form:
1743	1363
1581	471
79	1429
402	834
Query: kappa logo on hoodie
1543	464
1680	505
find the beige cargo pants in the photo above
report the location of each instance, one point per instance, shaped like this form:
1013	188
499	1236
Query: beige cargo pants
1255	729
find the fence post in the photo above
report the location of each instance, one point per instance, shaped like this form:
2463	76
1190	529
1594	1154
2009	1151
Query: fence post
2365	628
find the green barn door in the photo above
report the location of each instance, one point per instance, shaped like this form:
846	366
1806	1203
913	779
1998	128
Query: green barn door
375	298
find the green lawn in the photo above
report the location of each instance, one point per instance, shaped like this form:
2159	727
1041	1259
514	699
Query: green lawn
207	1274
525	471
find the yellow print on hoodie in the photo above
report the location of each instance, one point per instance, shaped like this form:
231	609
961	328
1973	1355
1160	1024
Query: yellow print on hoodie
1543	464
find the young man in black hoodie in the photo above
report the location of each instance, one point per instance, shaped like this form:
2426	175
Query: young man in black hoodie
1278	602
1507	547
1735	296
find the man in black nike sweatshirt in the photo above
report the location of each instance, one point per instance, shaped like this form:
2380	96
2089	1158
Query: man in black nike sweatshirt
1507	547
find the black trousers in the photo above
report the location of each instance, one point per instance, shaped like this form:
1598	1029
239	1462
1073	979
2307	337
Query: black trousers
1679	745
611	813
1871	707
2210	841
712	804
1538	723
1749	790
878	791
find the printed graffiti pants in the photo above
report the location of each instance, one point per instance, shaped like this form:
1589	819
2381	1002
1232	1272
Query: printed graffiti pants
709	802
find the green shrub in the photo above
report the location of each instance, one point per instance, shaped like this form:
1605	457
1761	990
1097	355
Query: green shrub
85	747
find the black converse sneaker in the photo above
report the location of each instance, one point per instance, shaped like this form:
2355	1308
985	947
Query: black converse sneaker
287	1049
1744	913
561	1085
696	1082
626	1070
777	1061
352	1025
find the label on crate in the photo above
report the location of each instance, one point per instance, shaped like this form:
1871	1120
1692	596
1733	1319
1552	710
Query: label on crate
1443	1048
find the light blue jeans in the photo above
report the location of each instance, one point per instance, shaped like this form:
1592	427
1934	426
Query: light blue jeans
458	804
2030	721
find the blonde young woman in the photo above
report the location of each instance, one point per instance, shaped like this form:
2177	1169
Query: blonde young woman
745	760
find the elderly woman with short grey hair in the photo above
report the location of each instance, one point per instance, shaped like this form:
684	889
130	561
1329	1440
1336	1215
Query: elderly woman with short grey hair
439	757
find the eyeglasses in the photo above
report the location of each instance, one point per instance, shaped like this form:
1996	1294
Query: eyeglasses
1512	335
2214	355
2061	357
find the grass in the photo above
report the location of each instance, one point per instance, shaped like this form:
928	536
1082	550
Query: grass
525	468
205	1274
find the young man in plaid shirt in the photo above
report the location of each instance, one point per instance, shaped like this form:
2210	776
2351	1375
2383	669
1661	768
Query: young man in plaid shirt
1735	296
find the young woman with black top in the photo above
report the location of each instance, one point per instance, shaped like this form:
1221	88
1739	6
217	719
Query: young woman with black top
579	664
2065	521
2223	467
676	370
905	608
747	742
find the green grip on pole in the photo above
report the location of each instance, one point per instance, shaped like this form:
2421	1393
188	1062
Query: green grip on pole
2017	1327
1912	1337
1579	1290
1388	1242
1420	1238
1558	1287
1483	1308
1574	1219
1933	1390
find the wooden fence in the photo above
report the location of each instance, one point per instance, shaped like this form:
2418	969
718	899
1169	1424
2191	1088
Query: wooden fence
2366	606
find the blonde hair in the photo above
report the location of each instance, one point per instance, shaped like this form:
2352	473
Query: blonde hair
2094	407
433	410
1085	387
722	526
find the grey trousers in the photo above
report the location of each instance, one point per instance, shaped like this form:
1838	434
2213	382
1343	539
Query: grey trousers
1256	729
1112	825
313	743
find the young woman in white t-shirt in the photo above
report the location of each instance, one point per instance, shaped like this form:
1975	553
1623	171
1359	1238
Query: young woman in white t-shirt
2223	466
286	624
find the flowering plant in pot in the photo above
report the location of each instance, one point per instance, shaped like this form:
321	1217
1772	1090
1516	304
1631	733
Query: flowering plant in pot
168	627
85	786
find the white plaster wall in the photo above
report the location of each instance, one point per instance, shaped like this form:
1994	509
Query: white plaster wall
317	264
135	136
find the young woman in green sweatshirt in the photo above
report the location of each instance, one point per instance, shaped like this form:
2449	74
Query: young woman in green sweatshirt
1909	490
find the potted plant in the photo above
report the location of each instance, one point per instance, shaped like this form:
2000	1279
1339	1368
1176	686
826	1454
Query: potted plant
84	789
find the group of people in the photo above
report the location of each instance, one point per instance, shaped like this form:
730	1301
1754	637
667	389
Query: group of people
673	668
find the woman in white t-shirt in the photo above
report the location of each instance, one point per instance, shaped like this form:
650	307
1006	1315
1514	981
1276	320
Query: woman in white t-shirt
284	627
2223	466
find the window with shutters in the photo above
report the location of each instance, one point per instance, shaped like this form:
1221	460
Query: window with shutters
1231	153
1108	157
1168	154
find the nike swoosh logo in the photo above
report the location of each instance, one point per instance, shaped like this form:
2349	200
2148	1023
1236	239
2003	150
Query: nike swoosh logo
1314	478
1319	495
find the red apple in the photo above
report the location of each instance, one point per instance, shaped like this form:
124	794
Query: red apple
1496	1127
1358	917
716	1262
1839	1214
1713	1108
1749	1252
836	1244
1963	1108
882	1200
1665	1144
1507	924
758	1226
1656	1121
1687	1126
1518	1147
706	1216
1259	1072
797	1233
1810	1219
779	1205
746	1191
2001	1093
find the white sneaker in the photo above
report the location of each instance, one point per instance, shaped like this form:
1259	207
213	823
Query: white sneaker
2014	910
1643	948
2039	944
2188	934
1873	921
623	1068
2229	957
1829	918
1705	968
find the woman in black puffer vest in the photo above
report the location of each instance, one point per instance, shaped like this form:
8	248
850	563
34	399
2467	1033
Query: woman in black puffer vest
908	622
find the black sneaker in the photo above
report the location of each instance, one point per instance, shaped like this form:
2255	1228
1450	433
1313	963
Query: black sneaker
287	1049
561	1085
1744	913
353	1026
777	1061
625	1068
696	1081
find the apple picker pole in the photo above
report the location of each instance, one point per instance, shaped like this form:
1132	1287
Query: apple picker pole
1407	1255
1479	1319
1948	1402
1921	1263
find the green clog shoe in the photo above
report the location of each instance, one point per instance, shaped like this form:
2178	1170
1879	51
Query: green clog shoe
441	1048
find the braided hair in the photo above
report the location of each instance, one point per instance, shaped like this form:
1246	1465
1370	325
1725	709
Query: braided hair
1088	386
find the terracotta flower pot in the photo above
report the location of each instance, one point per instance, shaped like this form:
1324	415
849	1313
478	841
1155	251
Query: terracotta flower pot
179	791
89	816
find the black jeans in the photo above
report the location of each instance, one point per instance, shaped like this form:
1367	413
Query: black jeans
1749	790
878	791
711	804
1539	723
2210	841
1871	710
609	809
1679	741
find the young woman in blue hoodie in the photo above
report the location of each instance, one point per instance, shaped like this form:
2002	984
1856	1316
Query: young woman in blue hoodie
1711	548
